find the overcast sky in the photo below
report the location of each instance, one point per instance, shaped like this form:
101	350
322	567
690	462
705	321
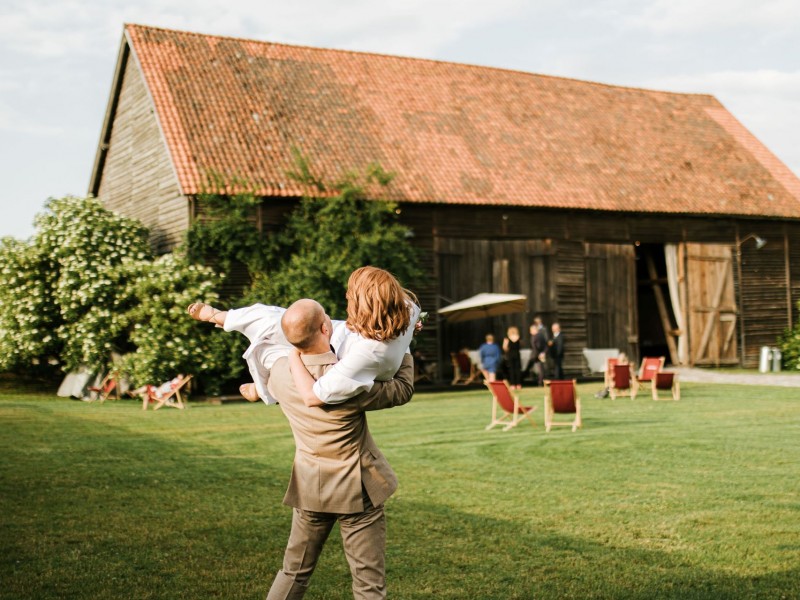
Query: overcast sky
57	58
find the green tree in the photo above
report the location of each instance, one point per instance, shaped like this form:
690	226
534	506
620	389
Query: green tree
334	230
790	347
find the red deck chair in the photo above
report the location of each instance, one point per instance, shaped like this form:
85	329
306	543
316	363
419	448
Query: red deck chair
508	402
624	384
464	370
666	381
168	398
109	385
561	397
650	366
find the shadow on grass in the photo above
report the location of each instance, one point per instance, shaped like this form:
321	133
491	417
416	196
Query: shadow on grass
96	507
435	552
111	502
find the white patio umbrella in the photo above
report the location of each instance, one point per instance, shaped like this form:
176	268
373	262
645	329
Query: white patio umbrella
483	306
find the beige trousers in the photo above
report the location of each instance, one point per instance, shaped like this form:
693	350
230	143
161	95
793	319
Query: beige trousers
364	541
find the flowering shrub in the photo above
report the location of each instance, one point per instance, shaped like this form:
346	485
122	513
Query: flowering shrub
86	285
29	312
167	341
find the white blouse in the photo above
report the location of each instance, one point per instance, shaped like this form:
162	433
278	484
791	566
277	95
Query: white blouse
361	361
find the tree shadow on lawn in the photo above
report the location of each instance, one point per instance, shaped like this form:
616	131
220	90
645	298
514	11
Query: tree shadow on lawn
441	553
92	509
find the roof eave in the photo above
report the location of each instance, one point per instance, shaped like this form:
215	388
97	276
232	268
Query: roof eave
108	120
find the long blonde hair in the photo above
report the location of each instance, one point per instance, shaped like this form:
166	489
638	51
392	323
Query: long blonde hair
377	305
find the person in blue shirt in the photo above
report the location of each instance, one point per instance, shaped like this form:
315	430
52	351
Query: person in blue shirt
491	356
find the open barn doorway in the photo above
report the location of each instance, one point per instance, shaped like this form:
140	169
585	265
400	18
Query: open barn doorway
657	320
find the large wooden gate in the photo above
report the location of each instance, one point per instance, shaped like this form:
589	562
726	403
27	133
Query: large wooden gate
708	298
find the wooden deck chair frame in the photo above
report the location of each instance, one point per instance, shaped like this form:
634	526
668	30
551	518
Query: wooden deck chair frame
421	374
624	382
666	380
513	412
168	399
461	374
649	367
109	385
608	374
561	397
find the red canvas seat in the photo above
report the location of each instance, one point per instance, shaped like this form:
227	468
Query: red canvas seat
109	385
624	383
513	411
664	381
650	366
561	398
464	370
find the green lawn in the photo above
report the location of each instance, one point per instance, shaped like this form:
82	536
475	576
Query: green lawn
694	499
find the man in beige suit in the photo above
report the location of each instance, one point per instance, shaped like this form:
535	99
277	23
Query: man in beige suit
339	474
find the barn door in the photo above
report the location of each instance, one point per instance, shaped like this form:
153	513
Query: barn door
710	304
611	311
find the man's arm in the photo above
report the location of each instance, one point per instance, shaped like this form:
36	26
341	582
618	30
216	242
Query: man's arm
395	392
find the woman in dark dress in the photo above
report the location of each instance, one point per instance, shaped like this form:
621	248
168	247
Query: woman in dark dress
513	358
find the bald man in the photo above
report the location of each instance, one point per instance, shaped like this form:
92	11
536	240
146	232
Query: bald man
339	474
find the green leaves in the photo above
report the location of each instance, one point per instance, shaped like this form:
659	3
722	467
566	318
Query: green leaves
790	347
86	285
326	238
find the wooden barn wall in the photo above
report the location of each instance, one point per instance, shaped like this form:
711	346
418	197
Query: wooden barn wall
137	179
770	277
793	254
572	307
611	314
765	291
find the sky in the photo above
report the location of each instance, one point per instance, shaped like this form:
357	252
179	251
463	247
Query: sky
57	60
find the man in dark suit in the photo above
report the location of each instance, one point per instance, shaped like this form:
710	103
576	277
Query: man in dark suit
339	474
556	351
538	351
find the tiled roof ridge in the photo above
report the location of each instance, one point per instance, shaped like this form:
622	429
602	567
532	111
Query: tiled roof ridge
420	59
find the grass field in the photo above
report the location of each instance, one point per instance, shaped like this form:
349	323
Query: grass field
694	499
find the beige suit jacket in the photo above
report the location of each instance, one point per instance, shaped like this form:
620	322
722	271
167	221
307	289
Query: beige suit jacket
335	454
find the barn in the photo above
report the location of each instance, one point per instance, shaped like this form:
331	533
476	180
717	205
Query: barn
649	221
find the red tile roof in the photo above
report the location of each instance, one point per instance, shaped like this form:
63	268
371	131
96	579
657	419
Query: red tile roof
452	133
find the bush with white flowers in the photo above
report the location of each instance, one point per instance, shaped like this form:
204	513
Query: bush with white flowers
86	285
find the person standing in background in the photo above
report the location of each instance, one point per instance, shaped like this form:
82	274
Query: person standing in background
536	363
513	358
491	356
555	348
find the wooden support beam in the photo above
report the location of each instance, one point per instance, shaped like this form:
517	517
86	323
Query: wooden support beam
662	310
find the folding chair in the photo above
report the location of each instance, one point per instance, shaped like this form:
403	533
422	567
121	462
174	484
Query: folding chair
666	381
608	374
561	397
464	370
109	385
166	398
650	366
509	404
624	384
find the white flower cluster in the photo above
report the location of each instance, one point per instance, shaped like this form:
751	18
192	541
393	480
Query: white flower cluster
86	286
